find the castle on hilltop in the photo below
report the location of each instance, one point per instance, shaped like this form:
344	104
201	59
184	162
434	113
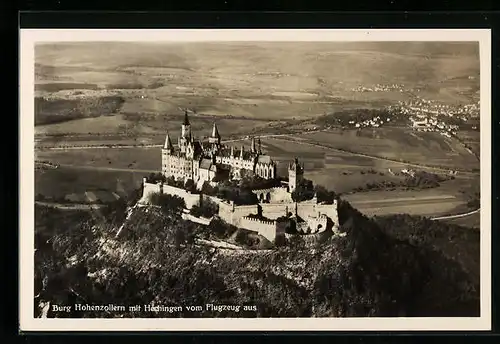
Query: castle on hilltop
275	212
211	161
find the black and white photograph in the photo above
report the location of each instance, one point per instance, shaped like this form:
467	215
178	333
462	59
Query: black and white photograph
255	179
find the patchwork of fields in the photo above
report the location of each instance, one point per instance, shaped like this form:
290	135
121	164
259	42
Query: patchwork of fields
426	148
114	169
113	94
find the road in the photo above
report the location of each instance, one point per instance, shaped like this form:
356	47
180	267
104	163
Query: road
283	137
423	167
372	206
75	206
457	215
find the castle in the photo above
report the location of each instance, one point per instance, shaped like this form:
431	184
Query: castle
210	161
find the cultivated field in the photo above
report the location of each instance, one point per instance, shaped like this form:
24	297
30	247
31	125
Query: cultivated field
433	202
58	183
110	94
109	168
427	148
263	80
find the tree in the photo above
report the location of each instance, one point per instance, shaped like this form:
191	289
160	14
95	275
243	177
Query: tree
304	191
190	186
324	195
207	208
166	201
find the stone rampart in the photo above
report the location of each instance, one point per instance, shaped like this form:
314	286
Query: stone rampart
149	188
266	228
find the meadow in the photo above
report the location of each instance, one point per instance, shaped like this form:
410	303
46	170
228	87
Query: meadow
402	144
337	171
262	81
111	94
58	183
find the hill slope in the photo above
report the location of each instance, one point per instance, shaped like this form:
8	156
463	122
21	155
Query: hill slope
365	273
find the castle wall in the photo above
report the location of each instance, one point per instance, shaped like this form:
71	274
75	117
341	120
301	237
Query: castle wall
189	198
273	211
277	195
267	229
149	188
233	214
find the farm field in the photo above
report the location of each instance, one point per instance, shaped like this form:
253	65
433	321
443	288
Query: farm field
432	202
259	83
398	144
95	94
58	183
341	172
131	158
142	128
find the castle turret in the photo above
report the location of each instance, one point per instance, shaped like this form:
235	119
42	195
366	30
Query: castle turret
215	137
241	152
168	147
259	146
295	175
232	151
185	133
186	127
254	146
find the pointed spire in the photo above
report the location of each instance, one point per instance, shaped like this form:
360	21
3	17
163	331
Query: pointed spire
254	147
215	132
168	143
186	119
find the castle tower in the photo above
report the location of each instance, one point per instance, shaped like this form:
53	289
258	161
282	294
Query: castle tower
254	146
168	147
295	175
166	152
214	139
185	133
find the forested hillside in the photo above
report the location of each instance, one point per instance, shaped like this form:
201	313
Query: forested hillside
374	270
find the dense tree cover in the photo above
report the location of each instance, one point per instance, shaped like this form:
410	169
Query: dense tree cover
230	190
154	178
395	266
420	180
304	190
453	263
167	201
342	118
324	195
49	111
253	182
206	208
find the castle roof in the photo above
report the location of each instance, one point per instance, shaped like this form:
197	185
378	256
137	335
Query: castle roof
168	143
264	159
215	132
295	166
206	163
186	119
